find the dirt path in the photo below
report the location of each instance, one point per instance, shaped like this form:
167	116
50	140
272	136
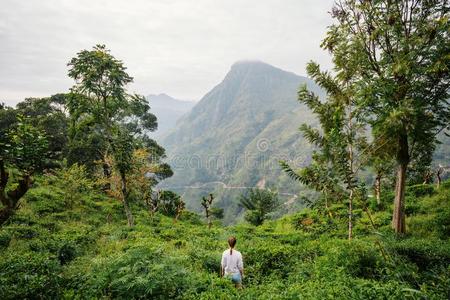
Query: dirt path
290	201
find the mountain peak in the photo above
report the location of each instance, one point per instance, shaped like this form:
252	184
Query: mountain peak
253	67
161	96
248	62
251	64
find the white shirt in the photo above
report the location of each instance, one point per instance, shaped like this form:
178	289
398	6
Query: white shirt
232	263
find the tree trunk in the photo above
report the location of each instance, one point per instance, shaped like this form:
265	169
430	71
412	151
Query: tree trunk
209	219
106	173
5	214
10	200
378	188
350	215
398	218
327	207
128	213
352	176
438	175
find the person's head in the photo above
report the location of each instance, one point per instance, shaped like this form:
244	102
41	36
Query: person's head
231	243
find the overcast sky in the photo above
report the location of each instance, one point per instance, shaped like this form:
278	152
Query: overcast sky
179	47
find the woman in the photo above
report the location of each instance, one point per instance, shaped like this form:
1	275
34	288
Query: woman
232	265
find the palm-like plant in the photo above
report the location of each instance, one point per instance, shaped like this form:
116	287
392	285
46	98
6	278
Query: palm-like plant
259	203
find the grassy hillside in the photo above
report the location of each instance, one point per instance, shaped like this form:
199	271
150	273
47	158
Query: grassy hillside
76	245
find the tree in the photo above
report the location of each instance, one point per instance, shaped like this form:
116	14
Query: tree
170	204
23	148
439	172
259	203
217	213
148	171
122	152
399	50
48	114
8	118
207	205
341	141
99	102
382	165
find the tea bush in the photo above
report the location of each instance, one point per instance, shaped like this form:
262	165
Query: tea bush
49	250
29	276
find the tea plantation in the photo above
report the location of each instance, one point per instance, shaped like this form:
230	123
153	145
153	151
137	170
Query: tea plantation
53	249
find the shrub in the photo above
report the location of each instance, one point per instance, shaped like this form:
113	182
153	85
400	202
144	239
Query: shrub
168	203
5	238
29	276
387	198
45	201
425	254
26	232
265	260
420	190
143	273
191	217
441	222
357	259
74	182
445	185
259	203
66	253
311	221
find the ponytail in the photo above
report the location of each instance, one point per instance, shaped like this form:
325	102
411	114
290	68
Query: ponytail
232	243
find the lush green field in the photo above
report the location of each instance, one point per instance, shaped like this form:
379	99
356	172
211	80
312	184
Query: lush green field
62	244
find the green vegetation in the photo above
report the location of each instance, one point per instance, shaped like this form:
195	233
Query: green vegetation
259	203
81	216
387	58
395	54
51	250
117	118
24	148
210	211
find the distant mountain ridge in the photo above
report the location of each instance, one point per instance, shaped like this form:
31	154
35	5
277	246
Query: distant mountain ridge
168	110
237	133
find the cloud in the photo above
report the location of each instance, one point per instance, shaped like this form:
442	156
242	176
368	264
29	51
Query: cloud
179	47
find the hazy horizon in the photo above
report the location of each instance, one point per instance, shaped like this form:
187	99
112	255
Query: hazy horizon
180	48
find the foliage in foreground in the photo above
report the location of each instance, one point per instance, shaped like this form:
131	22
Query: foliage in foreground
51	251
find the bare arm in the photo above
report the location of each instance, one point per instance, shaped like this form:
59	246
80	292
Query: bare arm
241	267
222	266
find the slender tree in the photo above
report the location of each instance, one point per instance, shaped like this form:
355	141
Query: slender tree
439	172
383	166
341	140
207	206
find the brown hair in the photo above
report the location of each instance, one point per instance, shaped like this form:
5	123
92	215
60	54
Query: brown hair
232	243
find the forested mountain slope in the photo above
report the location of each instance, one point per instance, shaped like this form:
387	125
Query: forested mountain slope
234	137
238	132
